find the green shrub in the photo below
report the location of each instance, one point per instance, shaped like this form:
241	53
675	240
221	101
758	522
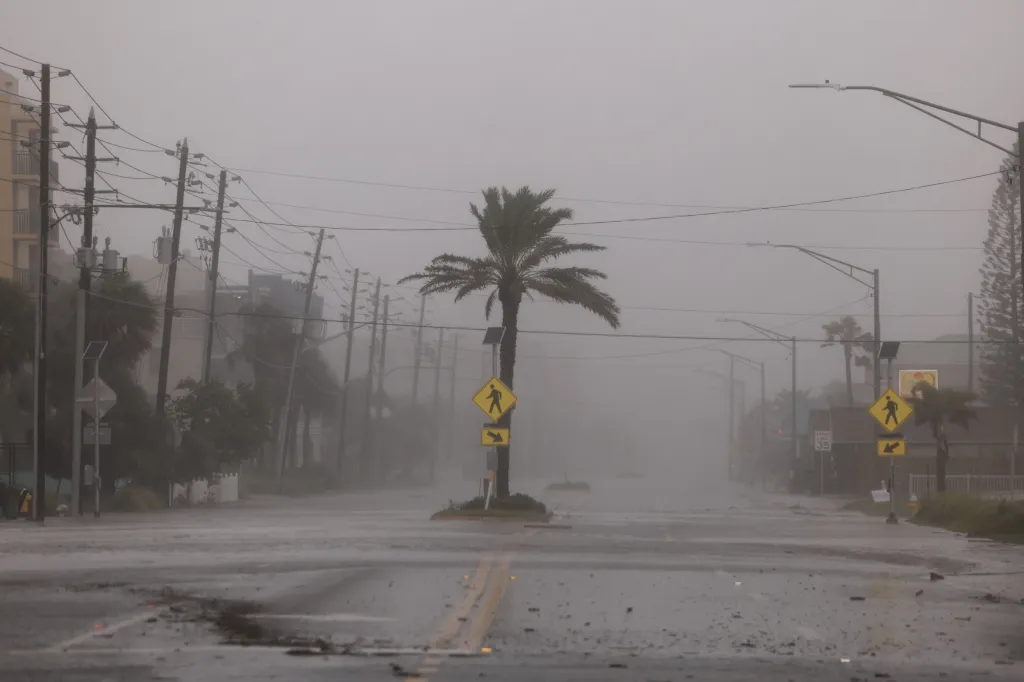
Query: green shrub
136	498
973	515
573	486
515	502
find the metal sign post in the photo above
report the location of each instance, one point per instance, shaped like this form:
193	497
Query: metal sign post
493	337
93	403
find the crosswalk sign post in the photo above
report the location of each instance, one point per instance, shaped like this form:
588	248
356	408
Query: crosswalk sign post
494	400
890	411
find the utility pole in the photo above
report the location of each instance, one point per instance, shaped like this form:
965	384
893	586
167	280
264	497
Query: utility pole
343	417
764	409
82	301
214	264
383	346
419	351
39	498
366	452
172	277
876	366
437	391
792	418
300	338
732	416
970	341
451	398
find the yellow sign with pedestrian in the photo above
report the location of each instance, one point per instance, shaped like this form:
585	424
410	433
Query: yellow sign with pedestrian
494	399
892	446
494	436
890	410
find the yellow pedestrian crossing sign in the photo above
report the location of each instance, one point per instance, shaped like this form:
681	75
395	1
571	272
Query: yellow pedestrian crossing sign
890	410
892	446
494	436
494	399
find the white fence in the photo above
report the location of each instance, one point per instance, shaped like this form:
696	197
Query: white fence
988	485
223	489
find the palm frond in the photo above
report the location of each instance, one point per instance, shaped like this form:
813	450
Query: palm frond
489	305
551	248
571	285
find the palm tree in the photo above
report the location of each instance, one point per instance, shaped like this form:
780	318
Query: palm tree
938	407
857	346
517	231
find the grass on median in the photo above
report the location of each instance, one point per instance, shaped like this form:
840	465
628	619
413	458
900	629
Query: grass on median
518	507
977	517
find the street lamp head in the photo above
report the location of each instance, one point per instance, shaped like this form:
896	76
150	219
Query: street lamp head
827	85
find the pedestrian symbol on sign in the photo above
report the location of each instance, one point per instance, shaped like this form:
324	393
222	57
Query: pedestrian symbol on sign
891	408
494	399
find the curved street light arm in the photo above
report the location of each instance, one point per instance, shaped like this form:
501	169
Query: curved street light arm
920	104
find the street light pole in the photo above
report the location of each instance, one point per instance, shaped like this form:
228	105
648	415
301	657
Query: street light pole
787	342
859	275
757	364
923	106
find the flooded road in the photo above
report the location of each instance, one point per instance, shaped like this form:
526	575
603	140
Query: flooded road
637	579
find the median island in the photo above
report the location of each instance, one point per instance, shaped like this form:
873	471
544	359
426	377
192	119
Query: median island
517	507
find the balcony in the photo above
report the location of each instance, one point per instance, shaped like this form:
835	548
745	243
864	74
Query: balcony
25	164
26	278
24	223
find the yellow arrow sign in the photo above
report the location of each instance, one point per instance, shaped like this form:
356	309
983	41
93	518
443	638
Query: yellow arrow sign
892	447
494	399
493	436
890	410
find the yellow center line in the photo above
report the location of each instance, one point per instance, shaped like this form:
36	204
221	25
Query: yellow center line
451	625
489	607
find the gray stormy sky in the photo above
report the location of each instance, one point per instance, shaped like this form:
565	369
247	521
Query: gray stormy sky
681	102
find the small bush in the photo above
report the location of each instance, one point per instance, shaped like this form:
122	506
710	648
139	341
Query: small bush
973	515
515	502
136	498
573	486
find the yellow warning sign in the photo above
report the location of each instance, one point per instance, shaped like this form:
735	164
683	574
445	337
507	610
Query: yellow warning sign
892	447
890	410
494	436
494	399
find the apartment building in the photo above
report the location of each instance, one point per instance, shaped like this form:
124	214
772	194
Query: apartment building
19	185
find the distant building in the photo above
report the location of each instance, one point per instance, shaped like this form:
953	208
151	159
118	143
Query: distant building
19	198
289	298
188	329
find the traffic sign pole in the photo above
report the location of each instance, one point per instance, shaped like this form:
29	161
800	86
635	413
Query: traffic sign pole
892	460
96	440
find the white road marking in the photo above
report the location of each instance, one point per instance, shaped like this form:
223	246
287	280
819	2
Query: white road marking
323	617
106	630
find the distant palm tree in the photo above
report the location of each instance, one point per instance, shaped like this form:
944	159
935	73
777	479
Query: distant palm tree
938	407
517	230
858	347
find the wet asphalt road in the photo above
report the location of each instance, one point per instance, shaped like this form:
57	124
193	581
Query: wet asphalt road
638	579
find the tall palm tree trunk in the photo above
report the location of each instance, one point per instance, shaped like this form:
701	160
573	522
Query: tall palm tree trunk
307	440
941	459
509	320
848	356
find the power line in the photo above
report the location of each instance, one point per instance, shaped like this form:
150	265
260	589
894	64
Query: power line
449	190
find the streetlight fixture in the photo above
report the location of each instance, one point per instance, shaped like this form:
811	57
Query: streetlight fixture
757	364
923	106
785	341
857	274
